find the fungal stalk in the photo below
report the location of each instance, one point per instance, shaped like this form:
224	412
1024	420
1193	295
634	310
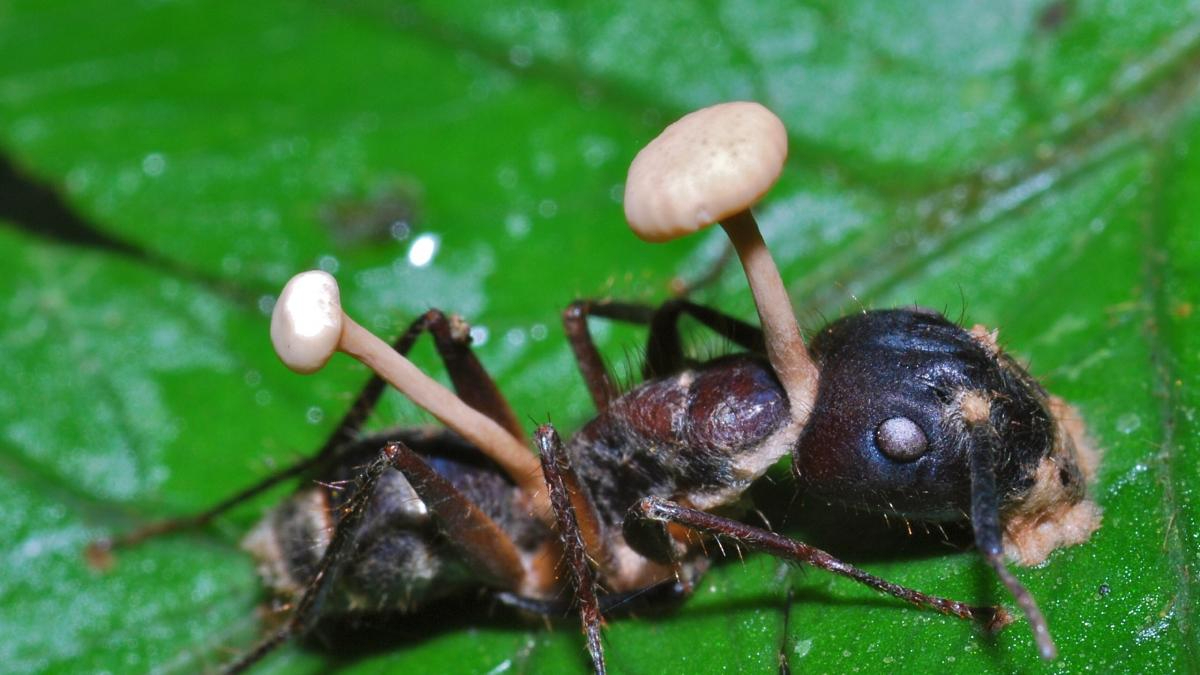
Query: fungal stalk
711	166
308	326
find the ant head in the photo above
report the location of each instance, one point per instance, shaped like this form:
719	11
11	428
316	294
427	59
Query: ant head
889	430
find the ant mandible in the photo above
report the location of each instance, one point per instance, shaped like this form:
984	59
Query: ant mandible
897	411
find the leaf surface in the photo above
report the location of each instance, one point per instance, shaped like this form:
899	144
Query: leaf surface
1025	165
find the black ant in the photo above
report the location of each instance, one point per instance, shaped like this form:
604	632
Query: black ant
898	411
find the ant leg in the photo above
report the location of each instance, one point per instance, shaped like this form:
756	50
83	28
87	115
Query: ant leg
575	321
985	520
486	548
568	502
309	605
451	336
664	353
663	511
785	667
472	382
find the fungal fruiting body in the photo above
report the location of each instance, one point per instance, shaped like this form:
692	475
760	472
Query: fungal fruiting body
711	166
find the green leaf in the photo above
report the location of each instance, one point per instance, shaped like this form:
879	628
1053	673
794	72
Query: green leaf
1029	166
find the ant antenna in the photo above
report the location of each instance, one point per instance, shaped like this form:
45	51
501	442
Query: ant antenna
985	514
862	309
962	305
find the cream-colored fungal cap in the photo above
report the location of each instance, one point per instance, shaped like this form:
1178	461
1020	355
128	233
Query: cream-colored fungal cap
711	164
306	324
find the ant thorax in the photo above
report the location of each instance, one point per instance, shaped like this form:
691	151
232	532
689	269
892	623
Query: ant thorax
700	437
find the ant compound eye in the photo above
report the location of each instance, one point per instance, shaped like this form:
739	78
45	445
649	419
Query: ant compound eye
901	439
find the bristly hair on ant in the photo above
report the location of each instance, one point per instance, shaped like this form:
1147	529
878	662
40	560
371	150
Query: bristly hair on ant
900	412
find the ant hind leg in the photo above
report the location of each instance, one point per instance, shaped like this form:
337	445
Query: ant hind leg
99	552
308	607
758	539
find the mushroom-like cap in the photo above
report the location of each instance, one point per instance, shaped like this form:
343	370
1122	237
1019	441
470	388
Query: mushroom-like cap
306	325
711	164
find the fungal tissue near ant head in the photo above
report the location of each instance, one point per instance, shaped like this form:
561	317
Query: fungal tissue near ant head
1056	511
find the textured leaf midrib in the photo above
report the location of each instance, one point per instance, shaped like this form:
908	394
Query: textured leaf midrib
1173	477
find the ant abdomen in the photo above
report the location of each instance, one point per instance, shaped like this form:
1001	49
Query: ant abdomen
401	562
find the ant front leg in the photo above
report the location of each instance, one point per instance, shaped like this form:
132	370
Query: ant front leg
985	519
477	389
664	351
659	510
570	507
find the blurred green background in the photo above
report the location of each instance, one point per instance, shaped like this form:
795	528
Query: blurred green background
168	164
